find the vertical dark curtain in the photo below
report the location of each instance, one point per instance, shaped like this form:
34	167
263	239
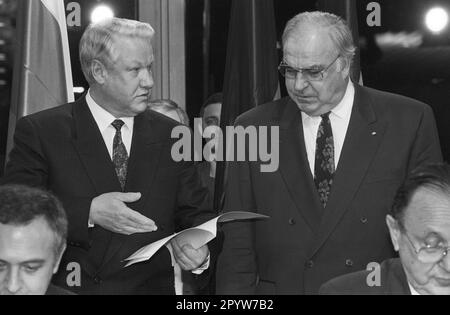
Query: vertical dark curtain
251	76
348	11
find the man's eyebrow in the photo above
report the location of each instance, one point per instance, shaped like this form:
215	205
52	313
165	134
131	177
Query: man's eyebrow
34	261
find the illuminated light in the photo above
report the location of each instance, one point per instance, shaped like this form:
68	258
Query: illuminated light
436	20
2	57
2	82
78	90
2	70
101	13
2	42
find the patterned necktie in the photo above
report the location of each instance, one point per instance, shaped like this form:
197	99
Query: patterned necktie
324	165
120	155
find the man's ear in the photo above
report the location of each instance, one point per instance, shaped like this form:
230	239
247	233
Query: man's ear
99	71
58	259
394	231
345	65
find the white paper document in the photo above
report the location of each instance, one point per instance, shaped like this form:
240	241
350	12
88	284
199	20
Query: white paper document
196	236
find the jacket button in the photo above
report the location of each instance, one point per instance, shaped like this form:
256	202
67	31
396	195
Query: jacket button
310	264
349	263
292	221
364	220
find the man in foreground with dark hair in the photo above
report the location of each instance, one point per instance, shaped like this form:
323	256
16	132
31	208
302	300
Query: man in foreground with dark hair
33	231
420	231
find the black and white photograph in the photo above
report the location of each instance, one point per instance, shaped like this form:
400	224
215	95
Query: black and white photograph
230	154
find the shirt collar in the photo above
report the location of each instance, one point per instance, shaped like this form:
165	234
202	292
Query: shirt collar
345	106
102	117
413	291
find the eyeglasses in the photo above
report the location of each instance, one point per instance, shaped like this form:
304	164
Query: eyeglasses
309	74
429	254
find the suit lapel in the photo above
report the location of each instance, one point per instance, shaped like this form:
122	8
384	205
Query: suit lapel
294	165
144	158
91	148
363	138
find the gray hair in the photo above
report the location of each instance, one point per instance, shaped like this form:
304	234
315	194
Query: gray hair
98	41
165	106
432	176
338	28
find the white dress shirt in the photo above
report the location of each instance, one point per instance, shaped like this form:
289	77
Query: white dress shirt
104	119
339	118
413	291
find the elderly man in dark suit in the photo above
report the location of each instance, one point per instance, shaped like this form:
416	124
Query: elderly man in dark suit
420	230
344	151
109	161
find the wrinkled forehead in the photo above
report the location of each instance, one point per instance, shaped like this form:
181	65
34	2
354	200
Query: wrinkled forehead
429	211
312	44
123	46
27	242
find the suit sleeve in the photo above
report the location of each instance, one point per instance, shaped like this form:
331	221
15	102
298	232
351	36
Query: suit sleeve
192	210
426	148
29	166
236	269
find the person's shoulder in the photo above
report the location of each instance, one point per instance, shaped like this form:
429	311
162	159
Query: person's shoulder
56	117
386	279
53	113
160	120
54	290
350	284
263	114
52	121
387	101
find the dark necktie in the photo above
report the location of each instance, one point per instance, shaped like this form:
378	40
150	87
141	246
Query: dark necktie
120	155
324	165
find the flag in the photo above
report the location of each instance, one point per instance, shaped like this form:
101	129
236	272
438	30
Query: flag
348	11
42	73
251	76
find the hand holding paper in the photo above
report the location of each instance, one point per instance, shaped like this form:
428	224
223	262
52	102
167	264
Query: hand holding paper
195	237
187	257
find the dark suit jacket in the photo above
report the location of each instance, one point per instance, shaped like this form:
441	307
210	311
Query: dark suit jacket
54	290
392	276
62	149
303	245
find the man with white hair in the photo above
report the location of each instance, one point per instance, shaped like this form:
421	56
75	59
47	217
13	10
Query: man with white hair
108	159
344	151
419	225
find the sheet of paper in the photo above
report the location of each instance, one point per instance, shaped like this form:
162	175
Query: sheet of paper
196	236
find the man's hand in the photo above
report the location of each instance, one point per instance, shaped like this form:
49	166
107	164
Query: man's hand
187	257
110	212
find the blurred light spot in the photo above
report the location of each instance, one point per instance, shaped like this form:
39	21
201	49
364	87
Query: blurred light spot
101	13
436	20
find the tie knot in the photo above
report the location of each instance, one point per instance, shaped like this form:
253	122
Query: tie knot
326	116
118	124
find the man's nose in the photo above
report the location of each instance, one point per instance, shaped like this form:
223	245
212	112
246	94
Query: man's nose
300	82
13	281
147	79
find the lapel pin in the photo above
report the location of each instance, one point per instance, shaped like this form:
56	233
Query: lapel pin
374	133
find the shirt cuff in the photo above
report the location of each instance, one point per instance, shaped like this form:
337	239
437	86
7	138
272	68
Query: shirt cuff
203	267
